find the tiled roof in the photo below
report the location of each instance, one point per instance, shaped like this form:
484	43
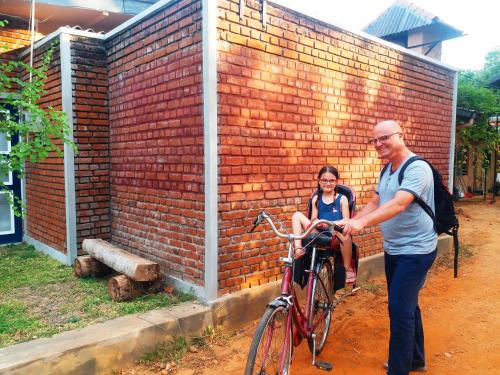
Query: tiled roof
403	16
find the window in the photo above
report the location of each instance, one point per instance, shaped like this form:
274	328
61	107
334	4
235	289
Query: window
6	214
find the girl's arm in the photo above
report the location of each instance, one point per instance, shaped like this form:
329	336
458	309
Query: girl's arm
314	209
344	206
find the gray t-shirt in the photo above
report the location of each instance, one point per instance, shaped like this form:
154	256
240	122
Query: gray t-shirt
412	231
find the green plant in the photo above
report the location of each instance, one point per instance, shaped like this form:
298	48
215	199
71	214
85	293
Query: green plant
41	130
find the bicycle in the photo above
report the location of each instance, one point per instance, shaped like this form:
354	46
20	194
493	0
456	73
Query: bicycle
272	346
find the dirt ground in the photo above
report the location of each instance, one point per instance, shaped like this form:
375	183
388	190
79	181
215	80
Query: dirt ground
461	318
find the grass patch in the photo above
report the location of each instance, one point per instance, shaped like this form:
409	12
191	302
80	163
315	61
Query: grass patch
175	349
169	351
377	289
446	259
211	336
40	297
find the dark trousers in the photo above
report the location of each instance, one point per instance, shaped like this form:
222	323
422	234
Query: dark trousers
405	276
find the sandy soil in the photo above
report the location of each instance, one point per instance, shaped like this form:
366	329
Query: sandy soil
461	318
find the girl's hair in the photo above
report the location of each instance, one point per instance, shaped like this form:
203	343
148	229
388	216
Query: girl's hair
322	171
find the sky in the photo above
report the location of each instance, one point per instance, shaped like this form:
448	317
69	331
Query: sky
477	19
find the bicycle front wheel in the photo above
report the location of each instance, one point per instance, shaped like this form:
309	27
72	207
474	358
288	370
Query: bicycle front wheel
271	349
320	313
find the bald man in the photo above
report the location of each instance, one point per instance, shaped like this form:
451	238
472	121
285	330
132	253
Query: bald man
410	243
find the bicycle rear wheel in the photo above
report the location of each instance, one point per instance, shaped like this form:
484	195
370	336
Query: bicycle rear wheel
321	311
269	353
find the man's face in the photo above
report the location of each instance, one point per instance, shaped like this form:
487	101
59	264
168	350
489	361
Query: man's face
386	140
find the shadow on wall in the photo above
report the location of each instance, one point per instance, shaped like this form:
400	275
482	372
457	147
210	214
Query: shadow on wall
293	97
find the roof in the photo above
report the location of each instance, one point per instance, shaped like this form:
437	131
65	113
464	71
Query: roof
96	15
466	113
403	16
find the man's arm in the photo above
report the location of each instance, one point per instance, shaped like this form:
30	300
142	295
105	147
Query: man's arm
383	213
369	207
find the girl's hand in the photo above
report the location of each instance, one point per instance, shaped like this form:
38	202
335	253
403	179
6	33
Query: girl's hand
321	226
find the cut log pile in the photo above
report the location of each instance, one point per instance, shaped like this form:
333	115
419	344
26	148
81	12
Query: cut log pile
138	275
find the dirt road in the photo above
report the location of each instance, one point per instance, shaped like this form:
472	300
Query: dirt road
461	317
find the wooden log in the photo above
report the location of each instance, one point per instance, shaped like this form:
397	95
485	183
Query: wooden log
135	267
85	266
123	288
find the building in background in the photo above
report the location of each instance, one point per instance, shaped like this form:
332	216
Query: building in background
411	27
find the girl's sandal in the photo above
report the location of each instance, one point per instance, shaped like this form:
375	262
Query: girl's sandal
299	252
350	277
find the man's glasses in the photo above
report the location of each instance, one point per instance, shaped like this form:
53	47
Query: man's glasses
327	182
381	139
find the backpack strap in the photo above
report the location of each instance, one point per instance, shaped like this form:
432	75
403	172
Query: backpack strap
383	171
405	165
454	232
418	200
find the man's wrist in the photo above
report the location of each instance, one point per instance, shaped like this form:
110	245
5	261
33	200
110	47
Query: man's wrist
363	222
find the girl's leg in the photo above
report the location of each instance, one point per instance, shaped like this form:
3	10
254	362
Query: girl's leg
299	223
346	249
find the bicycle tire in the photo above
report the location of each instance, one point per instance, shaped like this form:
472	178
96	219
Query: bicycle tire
322	295
273	321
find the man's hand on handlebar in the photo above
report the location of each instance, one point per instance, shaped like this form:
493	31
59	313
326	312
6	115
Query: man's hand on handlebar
351	226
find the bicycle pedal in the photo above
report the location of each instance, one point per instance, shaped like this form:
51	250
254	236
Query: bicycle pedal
324	365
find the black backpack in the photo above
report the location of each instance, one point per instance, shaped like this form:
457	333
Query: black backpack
445	220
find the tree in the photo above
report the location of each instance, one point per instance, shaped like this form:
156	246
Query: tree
41	130
475	93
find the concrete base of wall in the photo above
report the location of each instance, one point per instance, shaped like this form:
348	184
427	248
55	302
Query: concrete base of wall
102	348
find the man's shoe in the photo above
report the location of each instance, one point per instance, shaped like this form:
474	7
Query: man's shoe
415	369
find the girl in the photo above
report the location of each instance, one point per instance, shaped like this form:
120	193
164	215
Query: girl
328	204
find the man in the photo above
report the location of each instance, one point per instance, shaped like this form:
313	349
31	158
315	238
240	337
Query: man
410	243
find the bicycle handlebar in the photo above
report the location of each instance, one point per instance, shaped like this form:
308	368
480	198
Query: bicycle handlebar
264	216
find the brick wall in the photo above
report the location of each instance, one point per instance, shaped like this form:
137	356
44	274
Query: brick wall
156	134
45	195
295	96
91	134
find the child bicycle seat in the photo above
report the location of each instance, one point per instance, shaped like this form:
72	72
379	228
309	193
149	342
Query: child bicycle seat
345	190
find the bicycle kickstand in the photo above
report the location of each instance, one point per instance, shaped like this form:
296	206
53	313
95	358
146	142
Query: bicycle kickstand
319	364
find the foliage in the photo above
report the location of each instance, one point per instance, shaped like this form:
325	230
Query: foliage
40	297
41	130
475	93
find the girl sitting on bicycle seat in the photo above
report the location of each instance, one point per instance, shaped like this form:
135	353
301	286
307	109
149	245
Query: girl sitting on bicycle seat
328	204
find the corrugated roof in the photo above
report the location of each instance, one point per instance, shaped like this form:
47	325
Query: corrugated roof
403	16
